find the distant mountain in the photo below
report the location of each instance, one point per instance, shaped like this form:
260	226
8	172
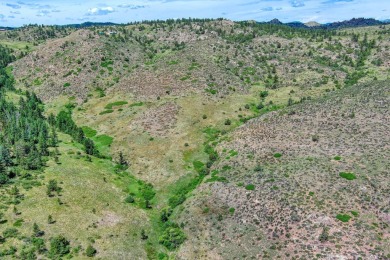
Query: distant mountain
275	21
313	24
89	24
6	28
296	25
354	22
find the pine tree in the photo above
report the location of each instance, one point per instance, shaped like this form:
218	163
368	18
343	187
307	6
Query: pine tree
5	156
50	219
53	137
122	160
3	174
37	232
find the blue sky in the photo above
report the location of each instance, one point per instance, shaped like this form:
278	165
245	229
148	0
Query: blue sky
18	13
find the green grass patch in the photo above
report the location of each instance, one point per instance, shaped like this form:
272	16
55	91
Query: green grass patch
184	78
337	158
89	132
182	187
138	104
67	84
211	91
343	217
355	213
193	66
198	165
250	187
18	223
103	140
100	92
140	193
348	175
215	177
107	63
115	104
37	82
233	153
277	155
173	62
108	111
212	133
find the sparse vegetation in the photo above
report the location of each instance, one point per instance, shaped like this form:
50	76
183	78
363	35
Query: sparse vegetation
208	130
343	217
348	175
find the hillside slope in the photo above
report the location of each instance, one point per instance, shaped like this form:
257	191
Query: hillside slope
161	59
295	172
206	133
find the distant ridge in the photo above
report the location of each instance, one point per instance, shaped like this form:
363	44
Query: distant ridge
296	25
354	22
6	28
312	24
89	24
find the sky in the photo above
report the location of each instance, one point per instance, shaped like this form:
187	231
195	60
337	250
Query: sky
23	12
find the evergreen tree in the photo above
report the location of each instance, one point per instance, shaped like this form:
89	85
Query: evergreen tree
3	174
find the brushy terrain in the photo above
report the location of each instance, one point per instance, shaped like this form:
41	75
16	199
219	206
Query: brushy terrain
217	140
308	182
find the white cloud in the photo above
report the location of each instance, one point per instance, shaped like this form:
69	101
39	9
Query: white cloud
100	10
43	13
130	6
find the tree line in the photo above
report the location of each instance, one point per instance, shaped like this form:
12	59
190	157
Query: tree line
25	133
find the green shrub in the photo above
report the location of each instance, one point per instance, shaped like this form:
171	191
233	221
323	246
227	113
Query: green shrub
198	165
90	251
18	223
172	238
67	84
10	232
263	94
337	158
108	111
211	91
250	187
324	236
260	106
355	213
232	210
147	192
39	244
129	199
114	104
348	175
258	168
107	63
277	155
139	104
343	217
176	200
59	246
165	214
